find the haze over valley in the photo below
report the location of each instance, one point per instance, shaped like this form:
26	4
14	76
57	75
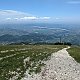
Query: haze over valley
39	32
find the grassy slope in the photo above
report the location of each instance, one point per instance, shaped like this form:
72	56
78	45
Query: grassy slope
74	51
14	65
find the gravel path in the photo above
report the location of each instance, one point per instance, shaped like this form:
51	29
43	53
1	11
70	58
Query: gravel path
61	66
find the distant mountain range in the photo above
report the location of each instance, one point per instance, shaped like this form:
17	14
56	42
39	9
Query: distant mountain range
11	33
4	31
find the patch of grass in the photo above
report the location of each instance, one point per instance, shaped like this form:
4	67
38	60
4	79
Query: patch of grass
75	53
14	65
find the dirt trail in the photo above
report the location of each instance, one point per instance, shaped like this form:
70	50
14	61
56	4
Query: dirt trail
61	66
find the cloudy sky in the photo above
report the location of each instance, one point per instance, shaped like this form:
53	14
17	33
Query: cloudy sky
40	10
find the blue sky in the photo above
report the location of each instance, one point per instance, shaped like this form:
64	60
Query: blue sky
67	10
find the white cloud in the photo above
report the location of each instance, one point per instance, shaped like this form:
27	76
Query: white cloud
13	16
13	13
74	2
16	18
35	18
29	18
8	18
57	18
45	18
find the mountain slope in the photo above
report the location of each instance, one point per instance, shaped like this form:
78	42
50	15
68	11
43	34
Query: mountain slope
61	66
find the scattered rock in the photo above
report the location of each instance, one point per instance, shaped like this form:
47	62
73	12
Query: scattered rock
61	66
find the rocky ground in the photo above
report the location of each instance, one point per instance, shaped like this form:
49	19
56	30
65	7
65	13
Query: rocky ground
61	66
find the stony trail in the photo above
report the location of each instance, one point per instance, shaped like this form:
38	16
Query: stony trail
61	66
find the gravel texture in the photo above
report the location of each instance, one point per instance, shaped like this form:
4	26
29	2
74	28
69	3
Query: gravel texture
61	66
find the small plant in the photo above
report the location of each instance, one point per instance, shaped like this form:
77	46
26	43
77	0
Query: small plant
75	53
13	57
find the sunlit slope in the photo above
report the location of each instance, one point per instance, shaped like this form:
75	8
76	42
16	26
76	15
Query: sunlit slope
74	51
16	59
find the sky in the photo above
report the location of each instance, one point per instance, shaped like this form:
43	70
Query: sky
50	10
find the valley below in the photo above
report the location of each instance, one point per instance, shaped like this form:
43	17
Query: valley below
39	33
